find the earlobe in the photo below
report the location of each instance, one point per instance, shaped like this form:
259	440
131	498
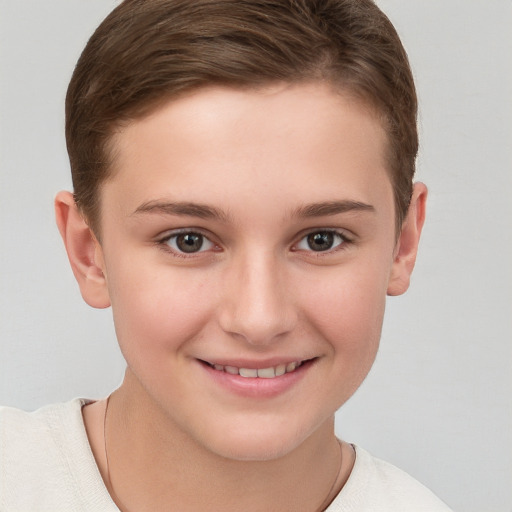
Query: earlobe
407	244
84	251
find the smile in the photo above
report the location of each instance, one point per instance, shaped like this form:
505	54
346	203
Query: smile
262	373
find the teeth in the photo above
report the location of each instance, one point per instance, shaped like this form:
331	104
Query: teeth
248	372
290	367
266	373
233	370
280	370
262	373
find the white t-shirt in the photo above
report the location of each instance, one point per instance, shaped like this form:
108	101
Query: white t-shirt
46	465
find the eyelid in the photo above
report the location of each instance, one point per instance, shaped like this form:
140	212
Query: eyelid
345	236
162	240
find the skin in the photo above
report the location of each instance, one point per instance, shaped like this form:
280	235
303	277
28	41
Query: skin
254	295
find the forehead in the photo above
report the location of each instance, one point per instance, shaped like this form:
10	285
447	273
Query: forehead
220	144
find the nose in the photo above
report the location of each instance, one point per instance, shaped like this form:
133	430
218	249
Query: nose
257	305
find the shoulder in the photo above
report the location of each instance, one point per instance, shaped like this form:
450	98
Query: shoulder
37	431
45	458
377	486
45	416
37	434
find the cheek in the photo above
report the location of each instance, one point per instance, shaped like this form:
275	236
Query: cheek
157	311
348	311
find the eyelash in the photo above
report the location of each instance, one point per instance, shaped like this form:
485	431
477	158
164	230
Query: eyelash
343	241
164	243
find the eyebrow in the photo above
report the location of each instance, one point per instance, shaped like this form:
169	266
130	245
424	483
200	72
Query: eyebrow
204	211
331	208
187	209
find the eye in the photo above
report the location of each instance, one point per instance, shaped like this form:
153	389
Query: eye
321	241
188	242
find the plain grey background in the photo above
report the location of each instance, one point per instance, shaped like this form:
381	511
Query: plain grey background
438	401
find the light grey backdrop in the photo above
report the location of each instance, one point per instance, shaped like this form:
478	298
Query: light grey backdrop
438	401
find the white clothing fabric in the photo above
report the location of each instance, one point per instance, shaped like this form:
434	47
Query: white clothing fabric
46	465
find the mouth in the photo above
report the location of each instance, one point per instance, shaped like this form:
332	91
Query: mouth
270	372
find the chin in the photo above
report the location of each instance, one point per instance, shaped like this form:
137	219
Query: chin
259	442
260	449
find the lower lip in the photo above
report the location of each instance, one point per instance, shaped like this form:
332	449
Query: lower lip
257	387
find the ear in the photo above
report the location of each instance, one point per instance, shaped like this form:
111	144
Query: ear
84	251
407	245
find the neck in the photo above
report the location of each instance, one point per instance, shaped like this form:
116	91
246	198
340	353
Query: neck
151	462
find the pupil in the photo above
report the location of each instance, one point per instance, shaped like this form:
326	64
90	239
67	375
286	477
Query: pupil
189	242
321	241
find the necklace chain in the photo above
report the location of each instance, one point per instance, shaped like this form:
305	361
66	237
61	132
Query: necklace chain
118	502
328	498
326	502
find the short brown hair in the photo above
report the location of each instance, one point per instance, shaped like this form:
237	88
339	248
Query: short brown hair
149	51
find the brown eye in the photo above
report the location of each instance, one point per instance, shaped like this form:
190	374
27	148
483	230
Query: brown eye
320	241
189	243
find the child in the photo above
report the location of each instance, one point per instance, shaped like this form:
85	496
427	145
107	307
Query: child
243	199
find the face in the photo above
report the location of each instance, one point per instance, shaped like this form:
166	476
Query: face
248	240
